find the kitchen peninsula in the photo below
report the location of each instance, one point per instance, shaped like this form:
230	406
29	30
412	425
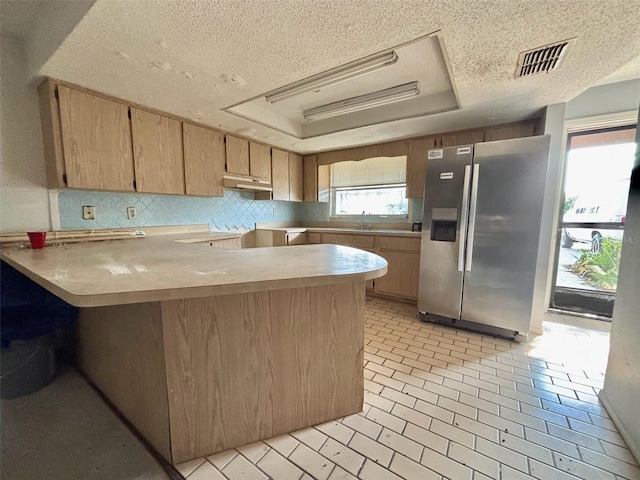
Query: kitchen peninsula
204	349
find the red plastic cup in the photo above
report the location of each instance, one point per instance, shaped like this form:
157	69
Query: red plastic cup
37	239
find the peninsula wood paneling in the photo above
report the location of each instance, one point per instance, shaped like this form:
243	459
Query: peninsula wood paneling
121	349
96	138
250	366
204	158
157	153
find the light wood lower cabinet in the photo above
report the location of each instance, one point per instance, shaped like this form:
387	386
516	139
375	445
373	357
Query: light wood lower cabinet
279	238
230	243
402	254
402	275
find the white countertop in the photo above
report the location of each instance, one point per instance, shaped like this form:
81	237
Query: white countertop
167	267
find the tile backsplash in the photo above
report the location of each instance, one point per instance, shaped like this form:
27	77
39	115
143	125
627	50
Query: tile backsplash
236	210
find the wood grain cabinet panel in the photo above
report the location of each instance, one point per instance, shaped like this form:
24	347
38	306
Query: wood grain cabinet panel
411	244
260	161
417	165
402	276
237	155
518	130
310	171
316	180
96	138
296	178
157	153
204	157
462	138
280	174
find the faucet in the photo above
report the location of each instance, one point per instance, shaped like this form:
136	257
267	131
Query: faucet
364	215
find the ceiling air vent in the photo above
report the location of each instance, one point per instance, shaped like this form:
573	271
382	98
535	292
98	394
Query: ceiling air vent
542	59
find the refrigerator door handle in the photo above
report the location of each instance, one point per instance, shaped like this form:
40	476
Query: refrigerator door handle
472	215
464	217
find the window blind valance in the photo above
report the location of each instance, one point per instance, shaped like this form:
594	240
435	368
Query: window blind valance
371	171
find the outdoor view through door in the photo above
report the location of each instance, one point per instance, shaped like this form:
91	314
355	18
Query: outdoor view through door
597	174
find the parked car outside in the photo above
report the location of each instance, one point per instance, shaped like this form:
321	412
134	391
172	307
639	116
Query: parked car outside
606	205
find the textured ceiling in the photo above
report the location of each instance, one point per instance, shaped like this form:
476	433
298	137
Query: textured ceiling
194	58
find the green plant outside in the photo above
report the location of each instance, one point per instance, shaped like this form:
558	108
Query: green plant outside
600	269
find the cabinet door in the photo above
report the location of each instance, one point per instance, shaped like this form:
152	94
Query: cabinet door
280	174
204	157
417	166
463	138
402	274
96	138
299	238
310	171
157	153
522	129
237	155
296	178
260	161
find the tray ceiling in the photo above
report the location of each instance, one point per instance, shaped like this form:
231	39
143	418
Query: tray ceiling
197	58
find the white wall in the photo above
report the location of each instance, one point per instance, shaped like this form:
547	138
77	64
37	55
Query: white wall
621	393
605	99
24	199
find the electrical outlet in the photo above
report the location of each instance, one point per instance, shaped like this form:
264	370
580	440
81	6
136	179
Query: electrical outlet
131	213
275	211
88	212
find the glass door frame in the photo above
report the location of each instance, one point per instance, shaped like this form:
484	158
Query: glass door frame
602	305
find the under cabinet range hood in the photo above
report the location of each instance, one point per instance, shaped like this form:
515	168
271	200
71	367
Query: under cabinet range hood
244	183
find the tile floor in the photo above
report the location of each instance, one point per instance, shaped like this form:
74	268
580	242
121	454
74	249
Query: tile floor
443	403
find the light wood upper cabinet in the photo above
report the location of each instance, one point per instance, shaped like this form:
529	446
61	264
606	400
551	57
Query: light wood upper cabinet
310	172
296	178
518	130
157	153
417	165
280	174
463	138
260	161
316	180
237	155
96	140
204	157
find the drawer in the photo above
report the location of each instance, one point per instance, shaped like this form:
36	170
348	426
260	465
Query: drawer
299	238
314	237
357	241
399	243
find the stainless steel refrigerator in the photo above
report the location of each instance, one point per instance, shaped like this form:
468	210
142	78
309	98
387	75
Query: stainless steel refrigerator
480	237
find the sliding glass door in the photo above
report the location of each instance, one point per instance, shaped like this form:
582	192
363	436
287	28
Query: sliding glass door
597	172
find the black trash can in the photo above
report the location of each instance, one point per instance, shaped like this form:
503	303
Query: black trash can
32	323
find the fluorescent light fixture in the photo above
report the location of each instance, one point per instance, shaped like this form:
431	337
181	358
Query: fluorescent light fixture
363	102
331	77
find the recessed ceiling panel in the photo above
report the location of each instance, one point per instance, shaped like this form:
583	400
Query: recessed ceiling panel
378	90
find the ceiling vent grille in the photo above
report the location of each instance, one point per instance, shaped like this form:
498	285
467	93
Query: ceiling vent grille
542	59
